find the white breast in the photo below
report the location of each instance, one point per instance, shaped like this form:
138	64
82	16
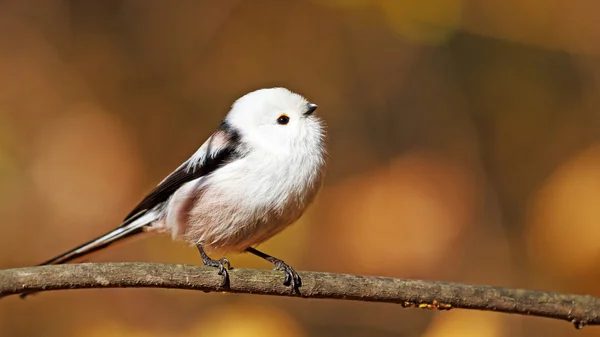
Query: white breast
246	201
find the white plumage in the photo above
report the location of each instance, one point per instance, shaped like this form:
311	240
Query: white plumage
255	197
253	177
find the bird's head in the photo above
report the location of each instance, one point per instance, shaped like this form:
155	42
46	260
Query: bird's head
276	119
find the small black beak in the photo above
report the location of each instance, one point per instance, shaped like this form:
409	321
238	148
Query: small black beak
311	108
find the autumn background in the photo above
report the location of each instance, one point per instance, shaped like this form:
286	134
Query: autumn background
464	139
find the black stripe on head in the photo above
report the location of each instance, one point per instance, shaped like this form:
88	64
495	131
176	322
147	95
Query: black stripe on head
234	134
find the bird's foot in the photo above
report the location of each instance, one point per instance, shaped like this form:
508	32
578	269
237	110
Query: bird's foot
292	279
291	276
223	265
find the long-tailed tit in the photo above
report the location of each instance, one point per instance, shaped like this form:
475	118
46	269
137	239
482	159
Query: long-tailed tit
253	177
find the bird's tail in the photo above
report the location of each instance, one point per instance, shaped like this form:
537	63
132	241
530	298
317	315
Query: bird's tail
130	228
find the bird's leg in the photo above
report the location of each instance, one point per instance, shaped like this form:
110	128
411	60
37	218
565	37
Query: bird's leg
222	264
291	276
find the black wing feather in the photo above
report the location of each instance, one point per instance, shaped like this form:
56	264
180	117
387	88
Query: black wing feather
182	175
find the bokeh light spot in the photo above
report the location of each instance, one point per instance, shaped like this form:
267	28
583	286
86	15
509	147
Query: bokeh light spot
248	321
404	217
430	22
563	216
85	165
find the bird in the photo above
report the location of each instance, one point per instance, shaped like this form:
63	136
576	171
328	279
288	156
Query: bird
254	176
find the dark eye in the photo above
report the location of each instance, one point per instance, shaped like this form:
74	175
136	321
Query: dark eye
283	120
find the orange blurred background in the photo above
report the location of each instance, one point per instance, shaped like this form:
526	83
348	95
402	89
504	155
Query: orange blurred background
464	139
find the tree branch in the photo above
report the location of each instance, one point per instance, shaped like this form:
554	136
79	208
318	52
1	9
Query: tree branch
578	309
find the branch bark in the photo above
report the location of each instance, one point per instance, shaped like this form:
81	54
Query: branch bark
578	309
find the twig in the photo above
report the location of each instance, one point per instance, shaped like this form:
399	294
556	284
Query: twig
578	309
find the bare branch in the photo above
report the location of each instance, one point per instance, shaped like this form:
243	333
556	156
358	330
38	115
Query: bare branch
578	309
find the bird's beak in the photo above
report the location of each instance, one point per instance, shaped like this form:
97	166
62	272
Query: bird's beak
310	109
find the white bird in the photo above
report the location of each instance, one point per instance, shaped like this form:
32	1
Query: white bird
254	176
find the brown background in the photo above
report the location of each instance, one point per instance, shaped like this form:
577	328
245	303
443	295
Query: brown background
464	139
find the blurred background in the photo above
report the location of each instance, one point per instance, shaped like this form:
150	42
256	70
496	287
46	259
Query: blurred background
464	139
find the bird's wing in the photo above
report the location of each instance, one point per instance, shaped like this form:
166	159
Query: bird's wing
221	147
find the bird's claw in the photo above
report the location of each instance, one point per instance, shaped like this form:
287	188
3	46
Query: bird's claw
223	265
292	279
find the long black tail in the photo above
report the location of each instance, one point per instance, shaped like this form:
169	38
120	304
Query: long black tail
132	227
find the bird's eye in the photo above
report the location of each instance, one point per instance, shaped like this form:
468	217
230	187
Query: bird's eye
283	120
